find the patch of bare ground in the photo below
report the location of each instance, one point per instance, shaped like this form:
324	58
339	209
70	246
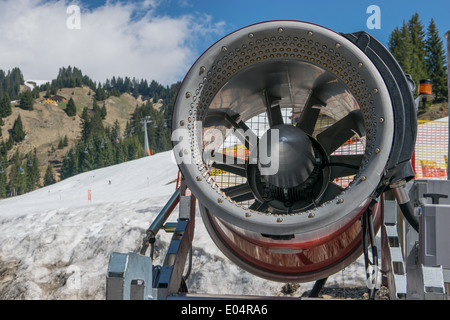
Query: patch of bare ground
47	124
8	273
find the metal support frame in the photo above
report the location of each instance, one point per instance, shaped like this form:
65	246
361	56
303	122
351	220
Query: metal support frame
129	277
170	280
133	276
393	265
417	264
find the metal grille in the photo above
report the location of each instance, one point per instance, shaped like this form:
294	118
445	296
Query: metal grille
259	125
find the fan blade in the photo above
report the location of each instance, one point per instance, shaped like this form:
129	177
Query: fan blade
344	165
259	206
336	135
244	197
273	113
244	133
241	192
331	192
228	163
310	114
238	169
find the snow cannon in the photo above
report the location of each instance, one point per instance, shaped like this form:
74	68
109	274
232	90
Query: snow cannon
288	134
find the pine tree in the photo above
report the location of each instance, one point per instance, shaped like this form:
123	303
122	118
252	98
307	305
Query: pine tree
435	61
100	93
71	109
3	179
3	184
17	133
49	177
32	172
35	93
3	150
17	181
120	155
5	106
10	83
96	125
85	125
103	111
400	46
115	131
87	158
394	41
418	52
61	143
104	154
26	100
70	164
36	176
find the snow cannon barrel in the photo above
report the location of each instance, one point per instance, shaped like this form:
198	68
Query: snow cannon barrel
286	132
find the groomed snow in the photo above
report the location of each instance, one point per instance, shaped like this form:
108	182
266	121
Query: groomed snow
55	243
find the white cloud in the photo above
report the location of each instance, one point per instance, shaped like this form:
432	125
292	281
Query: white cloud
117	39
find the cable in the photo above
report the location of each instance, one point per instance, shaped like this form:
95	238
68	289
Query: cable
408	212
368	234
404	203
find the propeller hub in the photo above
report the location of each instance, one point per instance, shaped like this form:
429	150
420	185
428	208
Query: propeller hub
295	155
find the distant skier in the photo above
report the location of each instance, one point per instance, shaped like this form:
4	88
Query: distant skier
109	181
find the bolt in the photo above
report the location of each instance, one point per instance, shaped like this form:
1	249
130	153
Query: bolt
188	95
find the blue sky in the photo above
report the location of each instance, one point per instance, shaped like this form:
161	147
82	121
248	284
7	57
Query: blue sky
160	39
339	15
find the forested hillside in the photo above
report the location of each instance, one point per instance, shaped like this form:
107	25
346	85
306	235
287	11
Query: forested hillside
73	124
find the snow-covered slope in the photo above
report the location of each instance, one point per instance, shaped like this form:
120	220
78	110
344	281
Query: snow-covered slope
55	242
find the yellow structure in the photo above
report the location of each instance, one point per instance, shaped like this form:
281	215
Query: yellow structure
49	101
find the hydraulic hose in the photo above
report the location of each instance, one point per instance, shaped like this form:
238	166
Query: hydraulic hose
405	203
